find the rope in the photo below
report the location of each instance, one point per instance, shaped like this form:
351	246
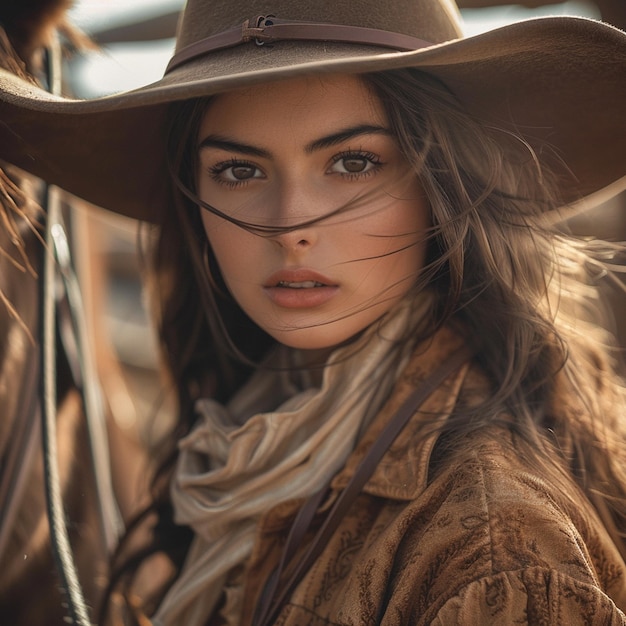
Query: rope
59	539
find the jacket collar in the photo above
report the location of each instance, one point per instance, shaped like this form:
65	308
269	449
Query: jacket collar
402	473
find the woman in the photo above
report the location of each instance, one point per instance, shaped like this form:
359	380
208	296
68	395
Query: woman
396	404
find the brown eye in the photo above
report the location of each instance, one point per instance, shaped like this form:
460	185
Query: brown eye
354	163
235	172
242	172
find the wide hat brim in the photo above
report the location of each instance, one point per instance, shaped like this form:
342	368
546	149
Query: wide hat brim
558	82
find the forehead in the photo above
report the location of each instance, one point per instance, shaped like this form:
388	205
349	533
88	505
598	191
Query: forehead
304	107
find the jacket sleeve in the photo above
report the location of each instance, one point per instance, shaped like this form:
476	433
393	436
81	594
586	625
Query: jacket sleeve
529	596
505	546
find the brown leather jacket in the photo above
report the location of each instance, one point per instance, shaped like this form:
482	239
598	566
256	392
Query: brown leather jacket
485	539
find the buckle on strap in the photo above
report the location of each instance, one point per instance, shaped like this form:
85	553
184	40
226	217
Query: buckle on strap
257	33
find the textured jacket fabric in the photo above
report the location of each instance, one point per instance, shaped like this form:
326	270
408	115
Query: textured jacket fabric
478	537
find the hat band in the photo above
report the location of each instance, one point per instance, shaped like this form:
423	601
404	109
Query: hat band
268	29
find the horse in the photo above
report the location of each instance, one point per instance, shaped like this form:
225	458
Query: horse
30	589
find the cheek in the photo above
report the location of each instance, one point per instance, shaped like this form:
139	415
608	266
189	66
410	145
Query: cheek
221	238
210	225
417	212
403	224
234	248
408	224
414	218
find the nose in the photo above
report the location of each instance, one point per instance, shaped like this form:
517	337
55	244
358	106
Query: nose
298	240
296	211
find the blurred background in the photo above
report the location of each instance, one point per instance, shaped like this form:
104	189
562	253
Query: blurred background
134	41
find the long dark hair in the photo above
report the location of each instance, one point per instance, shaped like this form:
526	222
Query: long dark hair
524	288
518	286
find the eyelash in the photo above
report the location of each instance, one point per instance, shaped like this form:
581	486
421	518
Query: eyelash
219	168
374	159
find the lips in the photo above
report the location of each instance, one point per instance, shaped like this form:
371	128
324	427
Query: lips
299	279
300	288
307	284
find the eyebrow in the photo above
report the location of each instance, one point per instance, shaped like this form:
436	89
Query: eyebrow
343	135
231	145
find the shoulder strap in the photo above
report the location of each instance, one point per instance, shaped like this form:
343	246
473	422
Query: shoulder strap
271	599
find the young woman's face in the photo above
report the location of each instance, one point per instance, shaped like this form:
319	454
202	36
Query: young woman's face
283	154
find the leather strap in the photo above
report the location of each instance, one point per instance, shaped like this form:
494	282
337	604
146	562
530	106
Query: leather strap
271	599
296	534
268	29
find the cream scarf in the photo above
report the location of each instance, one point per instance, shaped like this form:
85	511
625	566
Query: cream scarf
270	444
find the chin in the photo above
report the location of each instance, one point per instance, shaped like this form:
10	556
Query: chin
322	335
291	340
314	337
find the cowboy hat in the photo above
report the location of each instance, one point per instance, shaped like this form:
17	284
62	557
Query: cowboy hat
557	81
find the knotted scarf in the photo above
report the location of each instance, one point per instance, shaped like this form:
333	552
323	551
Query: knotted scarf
274	441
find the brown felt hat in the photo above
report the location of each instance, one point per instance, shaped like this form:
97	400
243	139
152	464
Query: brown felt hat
560	81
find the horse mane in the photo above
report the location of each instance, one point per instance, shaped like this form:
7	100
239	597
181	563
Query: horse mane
26	28
31	24
19	213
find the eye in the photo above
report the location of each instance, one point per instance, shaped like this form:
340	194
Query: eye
354	163
235	172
